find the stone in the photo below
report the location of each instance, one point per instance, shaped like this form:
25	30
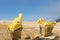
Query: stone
51	37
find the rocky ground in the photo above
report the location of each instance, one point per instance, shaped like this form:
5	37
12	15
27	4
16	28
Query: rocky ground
30	31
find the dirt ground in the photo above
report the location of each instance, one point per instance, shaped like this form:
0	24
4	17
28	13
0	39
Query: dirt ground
30	31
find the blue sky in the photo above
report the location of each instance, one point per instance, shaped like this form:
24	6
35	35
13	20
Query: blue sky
31	9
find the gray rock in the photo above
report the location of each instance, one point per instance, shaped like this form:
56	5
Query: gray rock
52	37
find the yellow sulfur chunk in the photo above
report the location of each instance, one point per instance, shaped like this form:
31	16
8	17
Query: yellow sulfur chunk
53	23
49	24
41	21
16	23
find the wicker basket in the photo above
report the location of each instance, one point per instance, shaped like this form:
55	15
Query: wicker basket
47	30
